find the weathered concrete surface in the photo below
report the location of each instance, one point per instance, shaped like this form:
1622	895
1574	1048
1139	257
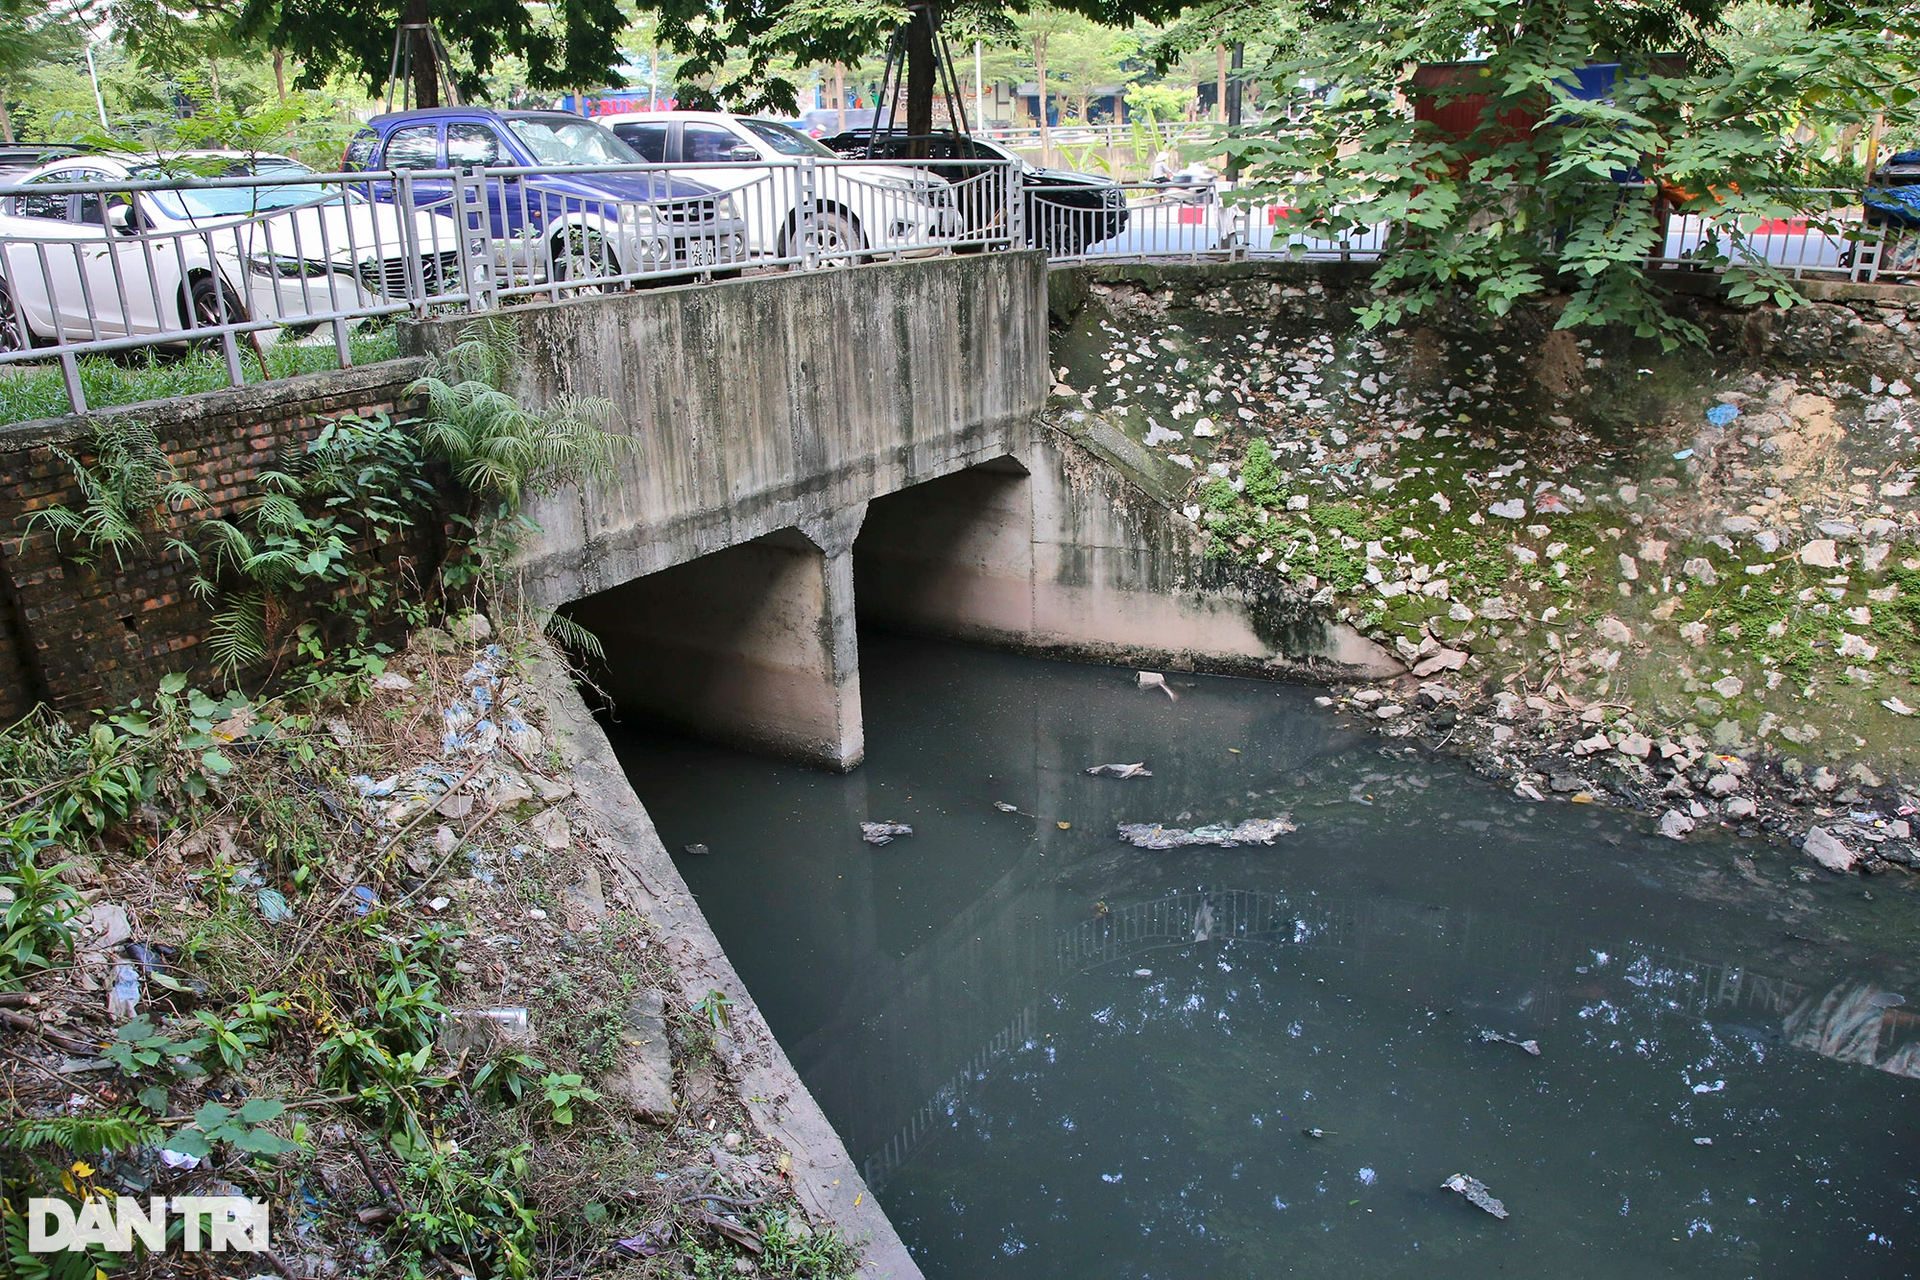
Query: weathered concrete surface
1065	551
824	1177
773	402
753	645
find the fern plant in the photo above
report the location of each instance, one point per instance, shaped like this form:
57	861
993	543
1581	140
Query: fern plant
129	482
126	1129
501	452
361	481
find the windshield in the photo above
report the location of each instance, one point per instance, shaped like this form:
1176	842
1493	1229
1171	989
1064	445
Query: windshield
788	142
227	202
572	142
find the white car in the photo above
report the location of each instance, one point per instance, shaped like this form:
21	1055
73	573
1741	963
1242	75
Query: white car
101	265
859	207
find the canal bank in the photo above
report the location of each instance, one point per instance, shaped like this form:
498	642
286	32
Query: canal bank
1682	582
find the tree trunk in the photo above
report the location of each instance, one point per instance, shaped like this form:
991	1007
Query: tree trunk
213	79
840	93
6	119
922	72
1220	86
280	73
426	78
1040	99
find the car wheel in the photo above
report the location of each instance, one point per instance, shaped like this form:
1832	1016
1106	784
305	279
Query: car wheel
14	333
582	254
834	239
213	302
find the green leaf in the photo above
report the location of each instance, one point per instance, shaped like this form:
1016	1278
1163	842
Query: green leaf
189	1142
173	683
154	1099
217	763
595	1213
261	1110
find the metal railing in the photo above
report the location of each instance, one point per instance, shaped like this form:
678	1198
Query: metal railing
89	268
118	263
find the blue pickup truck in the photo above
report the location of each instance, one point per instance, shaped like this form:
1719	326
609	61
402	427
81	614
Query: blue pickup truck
549	214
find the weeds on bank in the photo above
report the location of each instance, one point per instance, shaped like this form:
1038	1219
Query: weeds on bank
298	951
41	392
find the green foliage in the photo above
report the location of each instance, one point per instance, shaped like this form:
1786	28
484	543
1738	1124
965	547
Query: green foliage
715	1009
128	483
244	1127
1527	201
35	928
562	1090
506	1078
142	1051
182	735
500	450
109	1133
1260	478
38	391
361	482
470	1207
384	1057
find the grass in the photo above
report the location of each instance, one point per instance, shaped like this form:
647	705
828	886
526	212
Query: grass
38	391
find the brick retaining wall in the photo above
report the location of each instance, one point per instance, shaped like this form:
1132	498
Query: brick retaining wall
81	636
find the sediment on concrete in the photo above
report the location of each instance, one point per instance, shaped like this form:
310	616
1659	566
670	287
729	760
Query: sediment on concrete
825	1178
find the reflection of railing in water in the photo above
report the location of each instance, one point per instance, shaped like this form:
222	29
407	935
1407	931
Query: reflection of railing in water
879	1167
1846	1024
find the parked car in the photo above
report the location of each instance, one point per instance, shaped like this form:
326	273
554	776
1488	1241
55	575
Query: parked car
857	208
16	161
559	222
1065	211
819	122
99	265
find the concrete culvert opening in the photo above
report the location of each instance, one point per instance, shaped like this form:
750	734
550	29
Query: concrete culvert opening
952	557
752	646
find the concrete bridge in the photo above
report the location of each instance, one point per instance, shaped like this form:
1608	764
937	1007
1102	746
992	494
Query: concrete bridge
816	449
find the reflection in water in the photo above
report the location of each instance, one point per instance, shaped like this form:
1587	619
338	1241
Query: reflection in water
1856	1024
1058	1055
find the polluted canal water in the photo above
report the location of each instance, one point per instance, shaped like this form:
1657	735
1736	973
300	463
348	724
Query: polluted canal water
1054	1054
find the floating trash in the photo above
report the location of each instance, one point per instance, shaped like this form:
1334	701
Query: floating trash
1886	999
883	832
1476	1193
1139	770
1494	1037
1151	835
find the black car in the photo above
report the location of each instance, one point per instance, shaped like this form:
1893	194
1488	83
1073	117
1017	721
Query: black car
1065	211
